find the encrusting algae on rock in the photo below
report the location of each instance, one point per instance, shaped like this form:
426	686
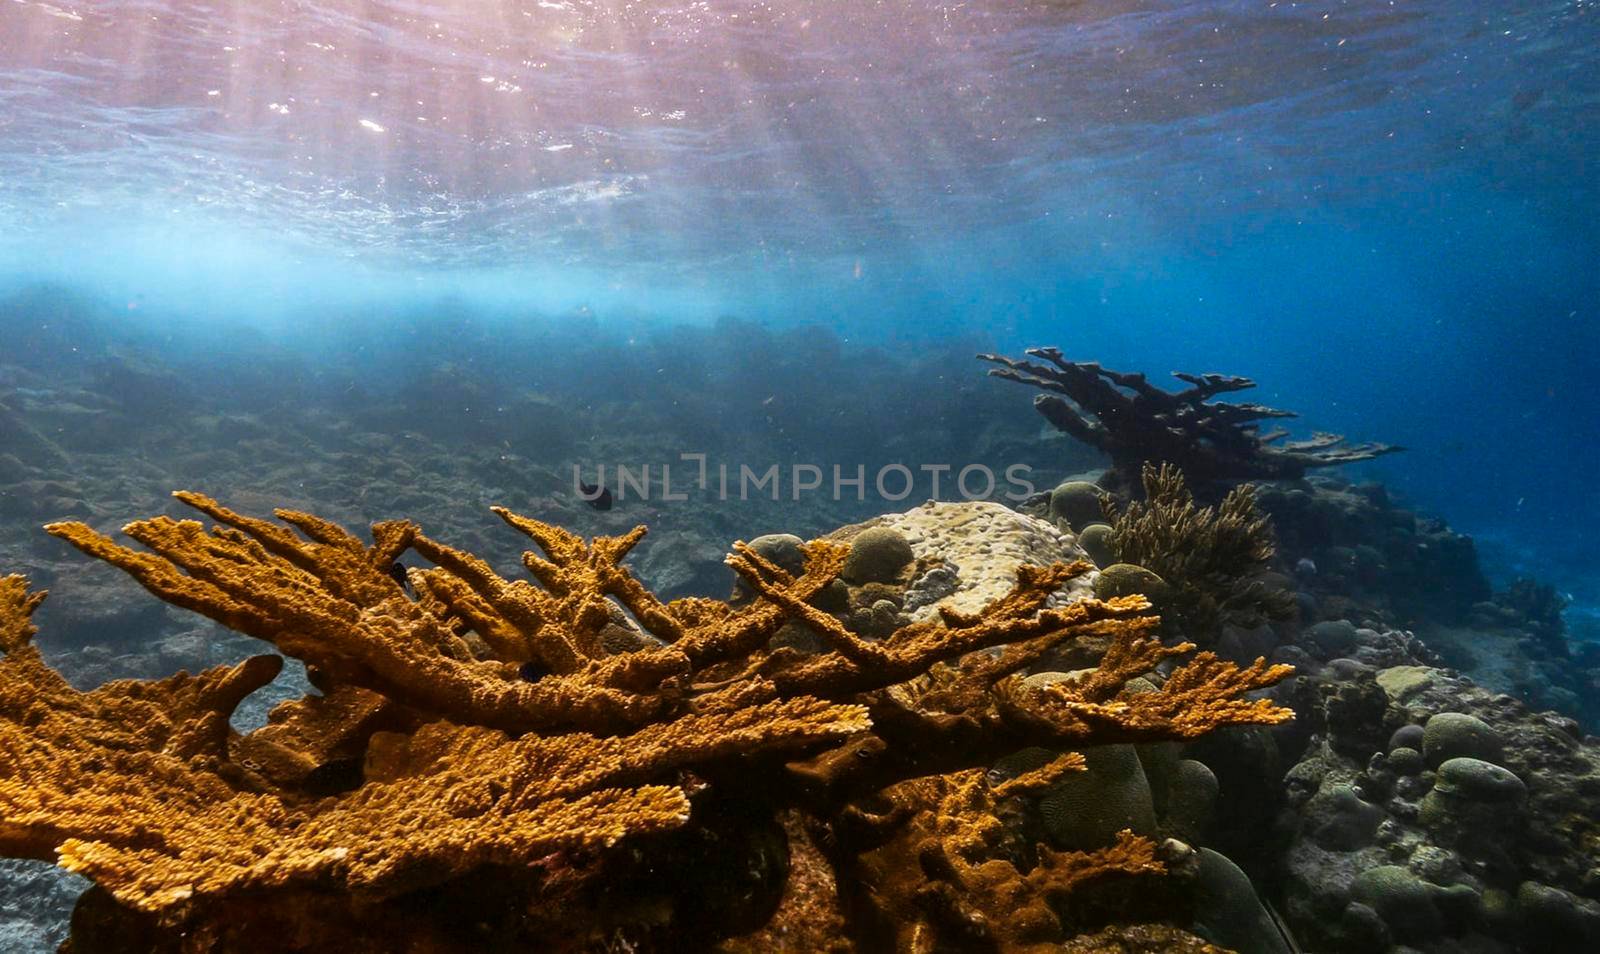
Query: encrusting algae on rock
570	764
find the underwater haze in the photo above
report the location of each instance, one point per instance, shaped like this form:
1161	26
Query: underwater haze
1387	213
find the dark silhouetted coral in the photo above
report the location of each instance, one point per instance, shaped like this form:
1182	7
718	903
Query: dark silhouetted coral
1134	422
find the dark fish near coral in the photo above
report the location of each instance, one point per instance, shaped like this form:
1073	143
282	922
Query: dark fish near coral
598	497
397	571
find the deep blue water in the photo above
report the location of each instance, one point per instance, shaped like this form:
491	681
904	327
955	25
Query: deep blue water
1387	213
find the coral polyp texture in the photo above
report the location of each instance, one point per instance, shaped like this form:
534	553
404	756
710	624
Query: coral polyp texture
949	873
1134	422
572	762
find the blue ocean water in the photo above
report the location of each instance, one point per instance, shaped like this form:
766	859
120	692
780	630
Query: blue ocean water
1387	213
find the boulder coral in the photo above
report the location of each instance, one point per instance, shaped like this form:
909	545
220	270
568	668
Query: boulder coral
877	555
1096	542
525	750
1077	502
1429	812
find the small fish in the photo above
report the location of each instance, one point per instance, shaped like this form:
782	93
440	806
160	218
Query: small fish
598	497
397	572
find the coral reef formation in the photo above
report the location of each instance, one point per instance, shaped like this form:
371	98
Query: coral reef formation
1361	560
567	739
1535	607
1214	561
1429	812
1134	422
1365	557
